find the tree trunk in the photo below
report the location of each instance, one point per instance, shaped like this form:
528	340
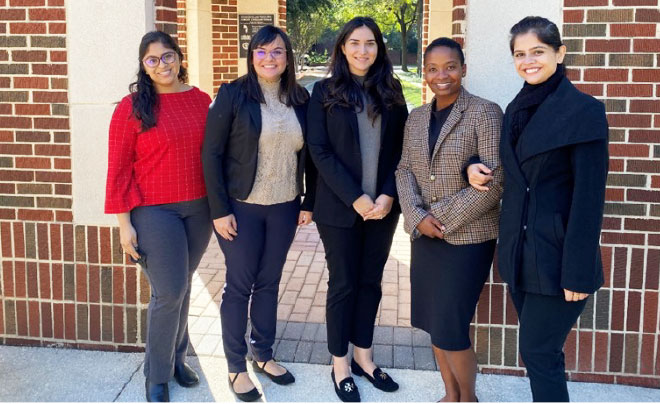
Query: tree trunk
404	47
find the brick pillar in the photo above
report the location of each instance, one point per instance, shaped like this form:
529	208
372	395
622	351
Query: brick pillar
166	16
458	21
181	29
613	55
425	40
225	42
281	14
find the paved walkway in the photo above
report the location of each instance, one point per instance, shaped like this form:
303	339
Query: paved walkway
301	332
48	374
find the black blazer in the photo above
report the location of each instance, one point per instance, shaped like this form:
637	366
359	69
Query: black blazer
333	141
554	193
231	145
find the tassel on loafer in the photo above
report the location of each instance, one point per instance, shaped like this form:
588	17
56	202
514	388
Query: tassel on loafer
286	378
252	395
380	380
347	391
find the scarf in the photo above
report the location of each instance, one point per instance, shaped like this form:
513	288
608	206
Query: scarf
528	100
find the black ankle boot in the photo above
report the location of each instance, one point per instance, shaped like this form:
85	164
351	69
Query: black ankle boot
185	375
157	393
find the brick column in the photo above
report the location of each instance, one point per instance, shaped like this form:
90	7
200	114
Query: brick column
458	19
181	29
281	14
166	16
225	42
613	55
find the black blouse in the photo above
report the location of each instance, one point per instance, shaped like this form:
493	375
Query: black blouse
438	119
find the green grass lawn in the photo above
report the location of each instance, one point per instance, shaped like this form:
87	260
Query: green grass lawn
412	92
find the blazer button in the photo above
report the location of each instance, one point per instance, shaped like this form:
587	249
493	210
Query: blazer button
527	189
434	199
525	227
432	177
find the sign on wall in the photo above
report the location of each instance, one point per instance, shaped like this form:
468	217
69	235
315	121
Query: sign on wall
248	25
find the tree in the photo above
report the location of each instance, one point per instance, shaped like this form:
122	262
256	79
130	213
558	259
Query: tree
306	20
405	12
420	30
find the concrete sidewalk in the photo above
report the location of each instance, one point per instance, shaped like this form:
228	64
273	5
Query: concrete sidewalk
49	374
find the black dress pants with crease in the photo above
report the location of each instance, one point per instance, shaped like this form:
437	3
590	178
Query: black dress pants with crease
356	257
254	259
545	322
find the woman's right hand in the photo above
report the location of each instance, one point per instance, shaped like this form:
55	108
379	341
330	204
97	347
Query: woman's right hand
479	175
431	227
128	239
226	226
363	205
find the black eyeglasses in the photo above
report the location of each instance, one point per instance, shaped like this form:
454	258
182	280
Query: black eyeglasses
166	58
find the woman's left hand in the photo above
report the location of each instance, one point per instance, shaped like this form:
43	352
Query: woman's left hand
571	296
304	218
382	206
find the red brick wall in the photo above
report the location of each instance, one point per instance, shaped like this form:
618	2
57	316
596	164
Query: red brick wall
60	283
225	41
182	34
281	14
613	55
166	16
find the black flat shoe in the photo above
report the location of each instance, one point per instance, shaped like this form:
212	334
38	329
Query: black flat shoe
252	395
347	390
380	380
157	393
286	378
185	375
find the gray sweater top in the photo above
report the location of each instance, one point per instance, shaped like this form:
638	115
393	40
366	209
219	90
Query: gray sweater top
369	144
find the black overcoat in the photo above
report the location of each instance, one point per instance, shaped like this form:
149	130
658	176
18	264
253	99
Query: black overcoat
554	193
333	141
231	146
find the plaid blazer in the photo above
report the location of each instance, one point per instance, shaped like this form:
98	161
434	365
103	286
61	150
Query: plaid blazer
434	184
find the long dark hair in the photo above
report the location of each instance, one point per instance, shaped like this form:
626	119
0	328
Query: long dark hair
291	93
545	30
145	98
380	84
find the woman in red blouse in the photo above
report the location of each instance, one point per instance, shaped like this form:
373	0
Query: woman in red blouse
155	185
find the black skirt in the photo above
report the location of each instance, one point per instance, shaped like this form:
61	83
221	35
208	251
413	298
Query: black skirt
446	281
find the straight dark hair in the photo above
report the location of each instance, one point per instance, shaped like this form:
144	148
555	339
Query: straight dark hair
447	43
145	98
545	30
380	84
291	93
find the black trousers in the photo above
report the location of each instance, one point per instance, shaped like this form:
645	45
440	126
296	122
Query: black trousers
173	237
254	260
356	257
545	322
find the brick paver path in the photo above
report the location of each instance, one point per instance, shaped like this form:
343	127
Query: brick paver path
301	333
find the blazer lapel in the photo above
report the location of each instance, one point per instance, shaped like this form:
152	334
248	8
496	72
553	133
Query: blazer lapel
255	113
301	114
454	117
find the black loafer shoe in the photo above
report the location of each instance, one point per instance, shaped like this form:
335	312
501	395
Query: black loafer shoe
286	378
252	395
380	380
347	390
157	393
185	375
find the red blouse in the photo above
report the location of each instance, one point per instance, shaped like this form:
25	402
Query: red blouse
163	164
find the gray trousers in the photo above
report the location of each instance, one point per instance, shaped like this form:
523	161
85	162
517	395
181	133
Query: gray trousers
173	237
